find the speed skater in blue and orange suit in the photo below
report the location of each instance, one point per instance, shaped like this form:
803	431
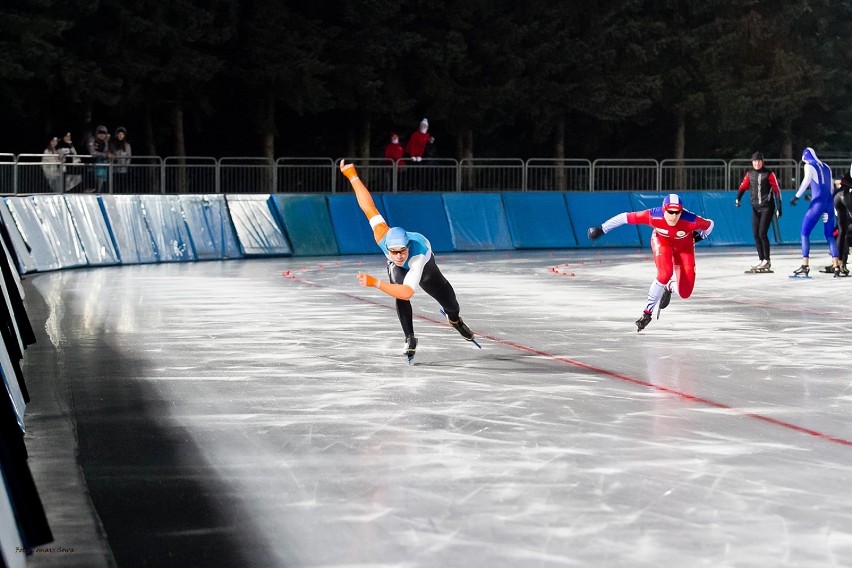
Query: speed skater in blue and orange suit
410	263
818	178
676	230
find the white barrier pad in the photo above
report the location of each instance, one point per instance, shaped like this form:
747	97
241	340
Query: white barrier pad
92	229
258	230
26	262
210	227
168	228
32	233
129	229
58	227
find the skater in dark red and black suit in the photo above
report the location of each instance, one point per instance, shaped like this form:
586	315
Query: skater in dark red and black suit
676	231
765	205
843	210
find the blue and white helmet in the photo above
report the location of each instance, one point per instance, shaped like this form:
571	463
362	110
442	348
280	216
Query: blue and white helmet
396	237
672	202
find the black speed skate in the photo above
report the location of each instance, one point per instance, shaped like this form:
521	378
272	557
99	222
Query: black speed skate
665	300
462	328
410	347
643	322
801	272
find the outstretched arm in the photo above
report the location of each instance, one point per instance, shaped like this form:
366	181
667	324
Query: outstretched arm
365	201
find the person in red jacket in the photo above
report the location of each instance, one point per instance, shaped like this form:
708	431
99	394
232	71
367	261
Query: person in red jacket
394	150
676	231
417	143
765	205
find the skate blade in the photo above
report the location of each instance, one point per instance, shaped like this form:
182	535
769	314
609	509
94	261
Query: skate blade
760	272
799	277
475	342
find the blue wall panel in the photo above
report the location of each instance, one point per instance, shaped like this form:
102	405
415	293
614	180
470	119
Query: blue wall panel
477	221
168	228
128	228
257	225
732	225
789	226
351	227
591	209
210	227
88	217
308	224
422	213
538	220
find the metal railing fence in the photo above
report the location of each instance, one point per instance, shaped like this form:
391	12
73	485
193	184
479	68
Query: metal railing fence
40	173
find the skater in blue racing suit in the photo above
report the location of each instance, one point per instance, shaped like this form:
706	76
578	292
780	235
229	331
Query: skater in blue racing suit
410	264
818	178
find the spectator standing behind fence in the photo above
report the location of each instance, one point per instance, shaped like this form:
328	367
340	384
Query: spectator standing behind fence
765	204
51	165
119	147
818	178
394	151
417	143
69	159
98	148
415	148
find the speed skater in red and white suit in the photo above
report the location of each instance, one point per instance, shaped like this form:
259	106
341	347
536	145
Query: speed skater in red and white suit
676	230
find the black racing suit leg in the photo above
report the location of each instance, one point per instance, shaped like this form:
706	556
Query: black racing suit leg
403	307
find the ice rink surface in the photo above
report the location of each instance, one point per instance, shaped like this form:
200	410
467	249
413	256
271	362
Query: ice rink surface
260	413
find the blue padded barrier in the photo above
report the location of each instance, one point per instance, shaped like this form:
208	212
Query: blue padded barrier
25	260
129	229
168	228
92	229
477	221
257	225
37	238
538	220
308	224
731	224
592	209
351	228
210	228
788	229
422	213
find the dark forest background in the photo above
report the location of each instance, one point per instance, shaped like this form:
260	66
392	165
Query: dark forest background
514	78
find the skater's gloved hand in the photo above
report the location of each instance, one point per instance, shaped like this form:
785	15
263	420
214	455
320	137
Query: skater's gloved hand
737	202
697	236
595	232
793	201
348	170
778	213
366	280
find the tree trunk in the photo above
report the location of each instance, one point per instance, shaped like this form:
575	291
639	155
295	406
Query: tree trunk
267	133
680	151
559	154
150	140
180	147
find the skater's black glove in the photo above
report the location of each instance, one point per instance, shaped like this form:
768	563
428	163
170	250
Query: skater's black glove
807	197
793	201
595	232
697	236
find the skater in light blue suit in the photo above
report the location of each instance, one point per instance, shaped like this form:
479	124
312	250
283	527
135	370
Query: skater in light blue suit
818	178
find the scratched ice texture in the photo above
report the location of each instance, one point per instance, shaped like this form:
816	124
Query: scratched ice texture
719	436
